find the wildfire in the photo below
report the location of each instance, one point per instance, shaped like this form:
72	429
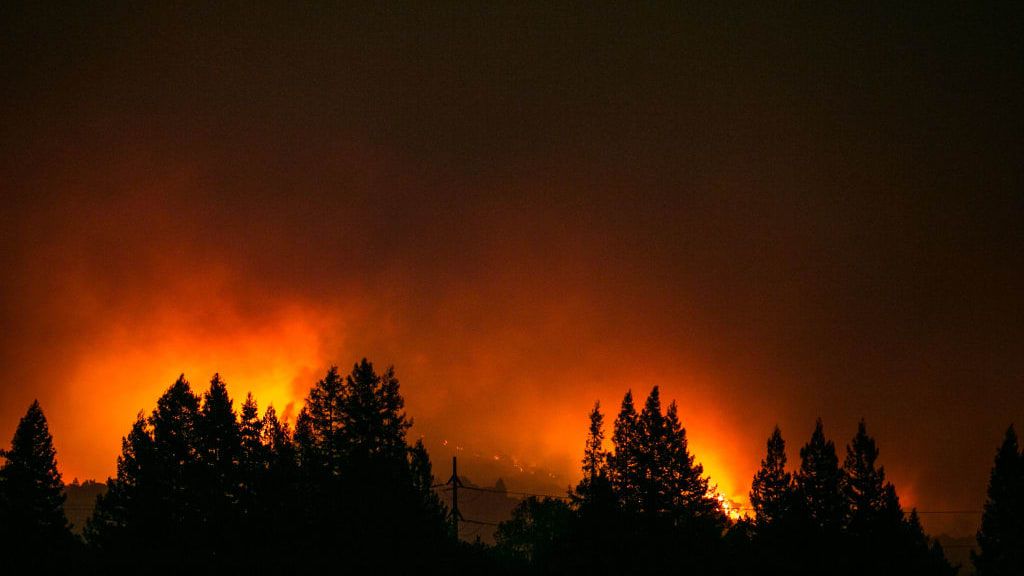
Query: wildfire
730	507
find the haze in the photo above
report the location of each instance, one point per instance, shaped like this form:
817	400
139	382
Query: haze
774	216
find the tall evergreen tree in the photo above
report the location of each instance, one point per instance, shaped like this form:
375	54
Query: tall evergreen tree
219	436
126	516
252	455
422	473
819	482
176	446
319	424
373	419
219	449
595	485
870	501
1001	537
278	483
624	464
771	493
689	491
652	456
595	459
32	522
156	502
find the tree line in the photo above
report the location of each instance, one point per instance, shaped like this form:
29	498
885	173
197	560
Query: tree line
203	486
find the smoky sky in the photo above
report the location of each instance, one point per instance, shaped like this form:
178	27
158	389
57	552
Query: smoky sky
774	213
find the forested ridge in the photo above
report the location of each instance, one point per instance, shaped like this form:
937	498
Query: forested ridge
204	486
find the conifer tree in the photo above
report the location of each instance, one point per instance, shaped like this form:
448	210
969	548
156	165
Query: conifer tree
870	501
771	493
921	554
276	439
157	500
422	473
319	424
219	451
127	514
1001	537
252	454
624	465
32	522
536	530
595	484
373	420
819	482
652	456
689	491
278	479
595	459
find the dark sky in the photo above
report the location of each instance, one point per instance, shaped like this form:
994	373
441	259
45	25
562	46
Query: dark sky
775	213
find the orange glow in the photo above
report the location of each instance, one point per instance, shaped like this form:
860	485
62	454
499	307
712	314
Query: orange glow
276	359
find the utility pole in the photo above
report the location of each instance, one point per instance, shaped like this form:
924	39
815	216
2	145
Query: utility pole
454	481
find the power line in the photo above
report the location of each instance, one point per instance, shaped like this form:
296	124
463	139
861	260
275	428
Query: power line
537	494
481	522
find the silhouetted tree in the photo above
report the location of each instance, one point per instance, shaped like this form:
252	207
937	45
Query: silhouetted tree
819	483
652	457
197	487
33	527
158	501
252	456
594	489
250	432
355	463
689	492
920	554
870	501
771	492
373	421
1001	537
537	530
879	536
125	517
319	423
819	510
624	464
277	487
423	481
218	485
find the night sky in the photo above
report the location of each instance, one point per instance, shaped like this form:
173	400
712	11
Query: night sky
774	213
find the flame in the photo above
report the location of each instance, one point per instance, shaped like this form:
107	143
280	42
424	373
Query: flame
730	507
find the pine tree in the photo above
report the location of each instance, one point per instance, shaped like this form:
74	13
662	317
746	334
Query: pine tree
127	515
219	446
595	459
219	437
278	480
595	484
624	465
536	530
276	439
1001	537
870	501
422	473
252	455
176	446
157	501
32	522
689	491
652	456
319	424
819	481
771	493
372	416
